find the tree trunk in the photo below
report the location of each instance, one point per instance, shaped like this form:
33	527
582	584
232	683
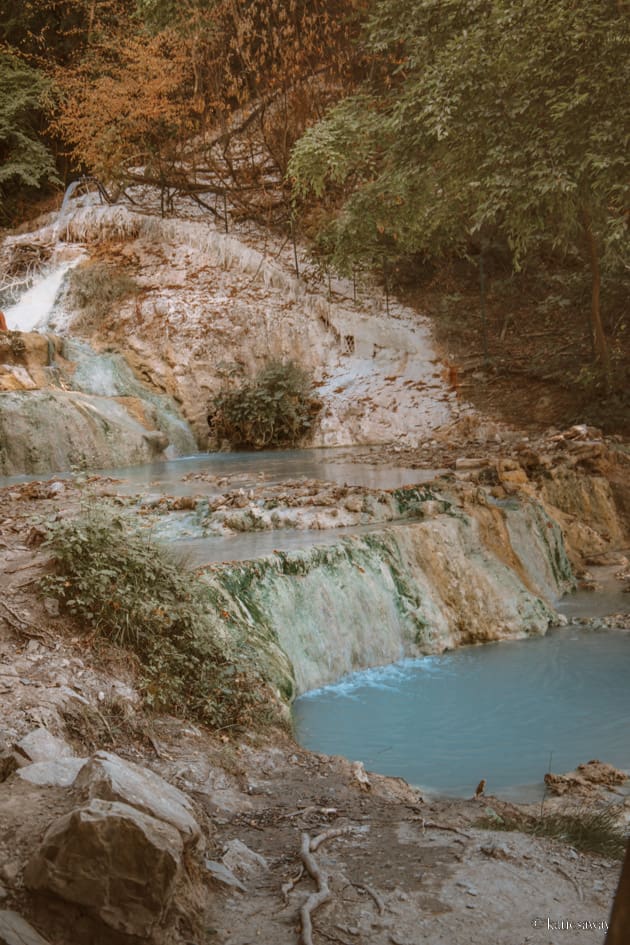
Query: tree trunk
597	328
619	926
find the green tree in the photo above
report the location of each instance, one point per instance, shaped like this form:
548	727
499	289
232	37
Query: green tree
25	161
486	117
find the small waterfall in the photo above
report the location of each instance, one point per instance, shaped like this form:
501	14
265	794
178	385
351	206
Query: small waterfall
81	409
420	588
34	309
381	378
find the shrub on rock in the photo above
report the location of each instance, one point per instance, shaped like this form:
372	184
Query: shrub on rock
276	408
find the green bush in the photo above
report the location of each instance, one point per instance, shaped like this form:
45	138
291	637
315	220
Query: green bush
95	287
132	590
275	409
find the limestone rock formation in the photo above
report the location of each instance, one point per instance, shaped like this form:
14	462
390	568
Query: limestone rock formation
49	429
587	779
239	858
108	777
59	773
117	862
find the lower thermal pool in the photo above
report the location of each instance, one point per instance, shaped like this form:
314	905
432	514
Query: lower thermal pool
506	712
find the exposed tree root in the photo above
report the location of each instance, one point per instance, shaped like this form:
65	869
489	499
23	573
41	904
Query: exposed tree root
380	905
316	899
23	626
291	884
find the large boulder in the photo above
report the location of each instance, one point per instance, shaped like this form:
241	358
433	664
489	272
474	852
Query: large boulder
114	860
108	777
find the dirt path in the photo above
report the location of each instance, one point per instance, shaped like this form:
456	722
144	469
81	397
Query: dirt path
403	870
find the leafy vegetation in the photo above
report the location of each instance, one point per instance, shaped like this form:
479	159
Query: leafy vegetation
275	409
127	105
502	122
26	163
588	829
129	589
95	287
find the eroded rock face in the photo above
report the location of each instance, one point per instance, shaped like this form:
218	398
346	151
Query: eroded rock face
587	779
43	430
25	360
116	861
109	778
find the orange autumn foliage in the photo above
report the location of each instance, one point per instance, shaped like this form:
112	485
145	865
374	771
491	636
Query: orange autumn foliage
128	104
214	102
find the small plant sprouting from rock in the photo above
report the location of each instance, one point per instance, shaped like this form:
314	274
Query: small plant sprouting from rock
276	408
131	590
94	287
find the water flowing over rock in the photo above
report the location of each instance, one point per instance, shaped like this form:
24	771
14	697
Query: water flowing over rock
54	430
212	307
466	577
42	417
107	374
65	405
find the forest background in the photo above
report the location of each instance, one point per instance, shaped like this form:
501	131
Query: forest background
472	156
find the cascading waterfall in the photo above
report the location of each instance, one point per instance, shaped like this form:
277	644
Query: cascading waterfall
65	405
380	380
35	307
419	588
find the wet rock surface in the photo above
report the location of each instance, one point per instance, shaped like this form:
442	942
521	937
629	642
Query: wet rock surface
588	779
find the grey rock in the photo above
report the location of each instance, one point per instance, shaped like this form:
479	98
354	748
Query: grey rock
14	930
467	462
240	859
117	862
222	874
60	773
40	745
51	606
108	777
10	870
151	501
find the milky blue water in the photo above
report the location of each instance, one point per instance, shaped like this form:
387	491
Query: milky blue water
506	712
177	476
